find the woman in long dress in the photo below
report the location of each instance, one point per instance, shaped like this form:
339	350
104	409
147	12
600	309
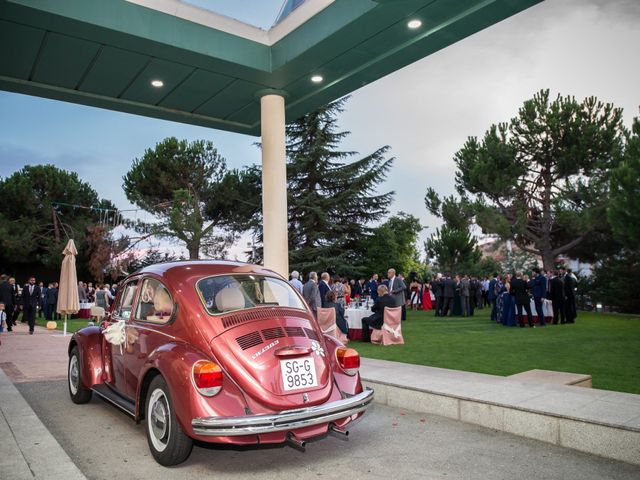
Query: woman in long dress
508	313
426	296
414	287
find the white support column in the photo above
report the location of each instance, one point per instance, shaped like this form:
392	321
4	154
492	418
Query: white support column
274	184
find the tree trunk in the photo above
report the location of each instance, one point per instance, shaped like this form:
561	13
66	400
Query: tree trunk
194	249
548	260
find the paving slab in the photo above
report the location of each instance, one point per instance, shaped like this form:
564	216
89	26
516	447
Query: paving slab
550	376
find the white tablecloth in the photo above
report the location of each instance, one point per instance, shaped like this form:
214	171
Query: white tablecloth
354	316
86	305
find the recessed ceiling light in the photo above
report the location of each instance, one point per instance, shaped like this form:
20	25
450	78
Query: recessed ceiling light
413	24
316	79
157	83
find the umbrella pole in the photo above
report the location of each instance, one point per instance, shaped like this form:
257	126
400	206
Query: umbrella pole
64	332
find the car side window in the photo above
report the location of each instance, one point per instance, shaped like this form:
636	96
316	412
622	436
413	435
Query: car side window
155	304
125	302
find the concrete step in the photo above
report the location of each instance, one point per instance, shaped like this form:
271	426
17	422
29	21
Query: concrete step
599	422
559	378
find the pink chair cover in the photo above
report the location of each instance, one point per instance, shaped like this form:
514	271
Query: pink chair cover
391	331
327	322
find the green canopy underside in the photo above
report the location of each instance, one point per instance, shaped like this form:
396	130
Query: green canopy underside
105	53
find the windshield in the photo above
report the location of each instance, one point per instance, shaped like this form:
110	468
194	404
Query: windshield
226	293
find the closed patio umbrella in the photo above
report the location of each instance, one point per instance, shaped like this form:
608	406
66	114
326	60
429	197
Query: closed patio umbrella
68	301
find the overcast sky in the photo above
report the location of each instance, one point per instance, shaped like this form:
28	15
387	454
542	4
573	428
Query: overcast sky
424	112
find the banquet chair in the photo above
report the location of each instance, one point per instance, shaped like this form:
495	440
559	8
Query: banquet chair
97	313
327	322
391	331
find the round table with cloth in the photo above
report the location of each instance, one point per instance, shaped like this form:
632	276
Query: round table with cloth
85	310
354	318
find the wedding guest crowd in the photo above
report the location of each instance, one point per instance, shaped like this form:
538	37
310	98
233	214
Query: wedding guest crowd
35	300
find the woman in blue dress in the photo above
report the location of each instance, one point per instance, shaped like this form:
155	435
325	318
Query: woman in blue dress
508	314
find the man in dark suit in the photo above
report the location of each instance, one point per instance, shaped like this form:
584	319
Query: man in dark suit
324	287
377	319
492	297
17	300
448	291
372	287
570	297
519	291
556	292
436	286
539	290
7	297
31	301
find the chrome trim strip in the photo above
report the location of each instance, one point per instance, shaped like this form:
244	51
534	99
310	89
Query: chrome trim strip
286	420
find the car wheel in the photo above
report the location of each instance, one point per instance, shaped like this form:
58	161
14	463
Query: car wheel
168	443
78	393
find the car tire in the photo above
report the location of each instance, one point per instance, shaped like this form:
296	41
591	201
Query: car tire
78	393
168	443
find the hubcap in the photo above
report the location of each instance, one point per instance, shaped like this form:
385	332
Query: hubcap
74	375
159	420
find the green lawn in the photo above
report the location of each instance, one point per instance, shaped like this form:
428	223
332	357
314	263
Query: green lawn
72	324
606	346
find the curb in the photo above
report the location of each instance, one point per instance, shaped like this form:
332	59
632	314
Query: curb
28	449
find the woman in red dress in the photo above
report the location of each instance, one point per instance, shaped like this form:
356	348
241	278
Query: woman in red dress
426	296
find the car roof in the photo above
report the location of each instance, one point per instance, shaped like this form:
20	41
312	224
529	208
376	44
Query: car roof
204	268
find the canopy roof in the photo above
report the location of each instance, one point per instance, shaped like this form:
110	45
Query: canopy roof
106	53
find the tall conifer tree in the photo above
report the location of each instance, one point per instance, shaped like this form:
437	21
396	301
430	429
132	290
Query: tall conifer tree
331	200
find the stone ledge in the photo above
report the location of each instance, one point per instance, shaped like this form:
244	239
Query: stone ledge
559	378
598	422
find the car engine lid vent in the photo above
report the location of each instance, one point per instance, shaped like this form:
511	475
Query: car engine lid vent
294	331
234	319
271	333
249	340
311	334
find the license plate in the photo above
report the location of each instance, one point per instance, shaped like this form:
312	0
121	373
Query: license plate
298	373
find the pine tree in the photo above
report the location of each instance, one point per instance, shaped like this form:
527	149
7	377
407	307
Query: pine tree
331	201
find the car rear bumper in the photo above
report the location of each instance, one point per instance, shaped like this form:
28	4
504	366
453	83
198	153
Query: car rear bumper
283	421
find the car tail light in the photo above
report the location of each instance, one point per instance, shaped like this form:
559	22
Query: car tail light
348	359
207	377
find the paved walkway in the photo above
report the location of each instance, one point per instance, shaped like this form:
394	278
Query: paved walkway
27	449
41	356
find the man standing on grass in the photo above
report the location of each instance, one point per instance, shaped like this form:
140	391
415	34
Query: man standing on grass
397	289
556	292
539	290
438	291
492	296
372	287
448	292
518	290
570	283
31	301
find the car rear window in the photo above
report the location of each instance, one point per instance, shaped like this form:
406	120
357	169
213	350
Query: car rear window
226	293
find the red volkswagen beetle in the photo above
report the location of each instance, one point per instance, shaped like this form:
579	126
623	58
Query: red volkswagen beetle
218	352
